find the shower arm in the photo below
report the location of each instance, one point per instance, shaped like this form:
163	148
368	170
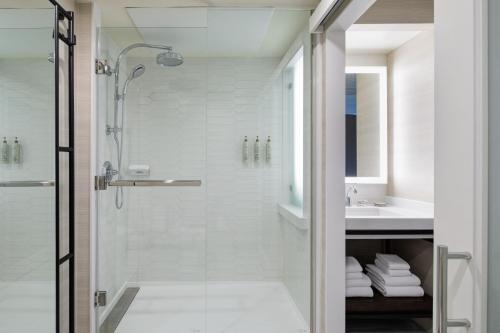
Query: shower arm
117	96
124	52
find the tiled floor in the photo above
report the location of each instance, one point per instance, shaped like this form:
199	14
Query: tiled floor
222	307
27	307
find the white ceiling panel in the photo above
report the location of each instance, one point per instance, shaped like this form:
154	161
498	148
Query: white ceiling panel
220	32
234	32
169	17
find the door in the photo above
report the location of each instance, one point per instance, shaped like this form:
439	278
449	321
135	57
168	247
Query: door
27	171
460	170
494	167
36	163
202	226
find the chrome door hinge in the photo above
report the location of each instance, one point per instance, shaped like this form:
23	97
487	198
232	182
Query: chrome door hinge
101	183
102	67
100	298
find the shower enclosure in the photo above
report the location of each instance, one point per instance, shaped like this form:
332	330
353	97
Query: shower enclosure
36	169
198	230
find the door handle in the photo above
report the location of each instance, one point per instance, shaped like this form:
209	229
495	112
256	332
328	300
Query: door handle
442	289
101	183
28	183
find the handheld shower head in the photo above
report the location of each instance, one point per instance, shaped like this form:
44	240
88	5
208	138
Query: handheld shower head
169	59
137	71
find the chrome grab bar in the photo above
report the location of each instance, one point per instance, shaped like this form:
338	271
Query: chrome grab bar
102	183
442	289
168	182
28	183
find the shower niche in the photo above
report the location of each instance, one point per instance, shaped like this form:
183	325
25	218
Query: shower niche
210	228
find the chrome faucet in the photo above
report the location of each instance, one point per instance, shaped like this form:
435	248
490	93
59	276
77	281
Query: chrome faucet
352	189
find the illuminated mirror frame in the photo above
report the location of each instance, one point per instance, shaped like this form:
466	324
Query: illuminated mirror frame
382	72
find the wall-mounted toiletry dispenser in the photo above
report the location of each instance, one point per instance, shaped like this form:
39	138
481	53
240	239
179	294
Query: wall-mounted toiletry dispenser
17	152
245	149
256	150
268	149
5	151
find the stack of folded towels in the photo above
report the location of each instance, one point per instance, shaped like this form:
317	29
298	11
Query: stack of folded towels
391	276
357	283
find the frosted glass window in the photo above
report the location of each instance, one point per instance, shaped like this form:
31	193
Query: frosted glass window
294	109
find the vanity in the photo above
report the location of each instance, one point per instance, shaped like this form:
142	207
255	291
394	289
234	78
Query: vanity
390	222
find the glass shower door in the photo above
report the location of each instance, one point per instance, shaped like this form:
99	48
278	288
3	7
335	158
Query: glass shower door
152	247
27	171
494	173
232	253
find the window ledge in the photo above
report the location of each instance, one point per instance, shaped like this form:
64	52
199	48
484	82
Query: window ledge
294	215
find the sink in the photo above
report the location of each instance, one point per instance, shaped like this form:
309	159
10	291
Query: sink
371	211
386	218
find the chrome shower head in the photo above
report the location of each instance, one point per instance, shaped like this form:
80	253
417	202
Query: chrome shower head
137	71
169	59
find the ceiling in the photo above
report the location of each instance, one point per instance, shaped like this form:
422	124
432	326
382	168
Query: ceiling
114	12
214	32
381	38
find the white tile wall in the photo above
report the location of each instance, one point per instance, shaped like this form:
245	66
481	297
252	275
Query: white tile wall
188	122
27	214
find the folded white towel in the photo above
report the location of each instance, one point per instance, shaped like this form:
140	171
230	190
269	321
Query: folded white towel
353	276
359	292
392	272
352	265
392	261
363	282
409	291
376	274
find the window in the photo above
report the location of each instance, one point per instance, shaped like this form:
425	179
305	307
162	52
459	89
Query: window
294	115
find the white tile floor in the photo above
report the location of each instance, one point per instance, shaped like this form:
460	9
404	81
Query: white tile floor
217	307
27	307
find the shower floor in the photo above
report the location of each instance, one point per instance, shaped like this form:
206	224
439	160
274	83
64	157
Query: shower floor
216	307
27	307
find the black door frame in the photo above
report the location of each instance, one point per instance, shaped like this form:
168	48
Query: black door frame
67	36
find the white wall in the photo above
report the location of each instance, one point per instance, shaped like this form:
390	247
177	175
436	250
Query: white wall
189	122
27	214
411	119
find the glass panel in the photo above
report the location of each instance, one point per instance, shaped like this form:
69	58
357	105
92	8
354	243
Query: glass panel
233	254
27	243
494	167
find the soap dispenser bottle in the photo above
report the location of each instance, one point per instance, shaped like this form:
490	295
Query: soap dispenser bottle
268	149
245	149
256	150
16	152
5	151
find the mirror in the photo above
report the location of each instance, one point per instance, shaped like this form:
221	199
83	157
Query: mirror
366	124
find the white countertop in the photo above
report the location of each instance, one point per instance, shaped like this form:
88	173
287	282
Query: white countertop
402	216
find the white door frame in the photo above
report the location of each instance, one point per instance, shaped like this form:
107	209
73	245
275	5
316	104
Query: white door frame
329	164
461	147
